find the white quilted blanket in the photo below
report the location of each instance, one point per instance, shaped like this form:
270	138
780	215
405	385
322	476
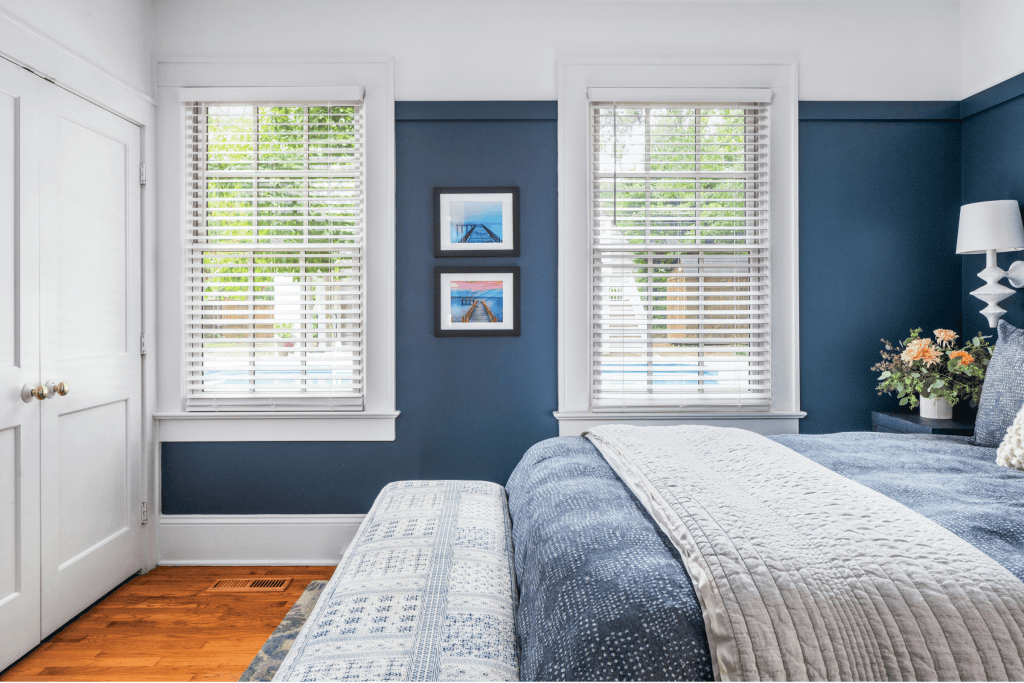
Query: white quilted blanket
804	574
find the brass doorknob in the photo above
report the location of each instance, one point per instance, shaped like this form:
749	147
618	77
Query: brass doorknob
28	393
61	389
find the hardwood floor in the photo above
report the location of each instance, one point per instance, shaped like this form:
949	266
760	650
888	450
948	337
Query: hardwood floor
162	626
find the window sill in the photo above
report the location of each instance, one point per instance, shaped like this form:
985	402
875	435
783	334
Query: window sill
767	423
281	426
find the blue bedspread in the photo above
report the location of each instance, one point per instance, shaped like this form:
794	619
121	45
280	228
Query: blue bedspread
604	595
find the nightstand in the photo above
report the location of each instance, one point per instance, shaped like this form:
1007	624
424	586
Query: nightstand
913	423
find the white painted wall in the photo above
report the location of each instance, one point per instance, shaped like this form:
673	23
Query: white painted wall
115	35
495	50
991	41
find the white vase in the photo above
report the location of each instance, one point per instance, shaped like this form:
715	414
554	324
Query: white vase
936	409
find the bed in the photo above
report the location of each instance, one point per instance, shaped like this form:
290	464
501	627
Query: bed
887	556
604	595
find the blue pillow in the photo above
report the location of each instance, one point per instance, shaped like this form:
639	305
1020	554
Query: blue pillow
1003	392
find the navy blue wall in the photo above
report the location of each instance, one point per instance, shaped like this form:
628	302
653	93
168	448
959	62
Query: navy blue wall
879	196
470	406
993	168
879	200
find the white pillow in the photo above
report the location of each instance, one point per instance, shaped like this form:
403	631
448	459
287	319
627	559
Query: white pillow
1011	450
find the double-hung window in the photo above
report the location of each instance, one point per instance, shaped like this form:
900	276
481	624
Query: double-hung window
274	199
679	255
677	245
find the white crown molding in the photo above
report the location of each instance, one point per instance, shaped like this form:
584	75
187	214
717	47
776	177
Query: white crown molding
29	48
252	540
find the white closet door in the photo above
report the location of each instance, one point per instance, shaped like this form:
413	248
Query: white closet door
19	362
90	313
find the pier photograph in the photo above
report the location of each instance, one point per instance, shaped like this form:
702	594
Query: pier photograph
476	221
476	301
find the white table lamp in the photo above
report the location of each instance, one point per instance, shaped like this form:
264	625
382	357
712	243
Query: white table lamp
988	228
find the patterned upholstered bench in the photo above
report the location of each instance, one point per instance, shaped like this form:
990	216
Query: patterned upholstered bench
425	592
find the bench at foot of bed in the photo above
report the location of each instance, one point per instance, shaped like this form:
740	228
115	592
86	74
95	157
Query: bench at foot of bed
425	592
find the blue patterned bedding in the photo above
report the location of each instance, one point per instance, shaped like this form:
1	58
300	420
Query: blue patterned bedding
604	596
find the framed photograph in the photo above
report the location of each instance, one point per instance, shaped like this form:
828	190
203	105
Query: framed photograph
476	301
476	221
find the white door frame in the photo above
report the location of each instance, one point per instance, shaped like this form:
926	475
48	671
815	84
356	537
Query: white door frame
32	50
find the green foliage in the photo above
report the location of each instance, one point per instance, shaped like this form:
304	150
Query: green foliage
266	223
922	367
652	204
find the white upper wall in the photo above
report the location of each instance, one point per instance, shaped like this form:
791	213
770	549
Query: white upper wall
115	35
991	42
508	49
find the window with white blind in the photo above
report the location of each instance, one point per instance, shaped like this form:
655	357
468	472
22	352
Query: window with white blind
274	228
680	263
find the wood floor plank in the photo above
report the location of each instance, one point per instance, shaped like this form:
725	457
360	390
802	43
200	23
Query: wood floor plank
164	626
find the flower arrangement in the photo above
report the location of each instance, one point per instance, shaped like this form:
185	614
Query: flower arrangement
921	366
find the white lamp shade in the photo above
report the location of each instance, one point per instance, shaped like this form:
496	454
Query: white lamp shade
990	225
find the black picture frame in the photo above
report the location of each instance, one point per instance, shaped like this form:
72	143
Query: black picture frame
439	277
440	249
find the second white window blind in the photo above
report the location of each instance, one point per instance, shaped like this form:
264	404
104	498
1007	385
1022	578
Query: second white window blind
680	259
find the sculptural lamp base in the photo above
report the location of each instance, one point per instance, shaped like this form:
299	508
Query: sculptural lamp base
992	292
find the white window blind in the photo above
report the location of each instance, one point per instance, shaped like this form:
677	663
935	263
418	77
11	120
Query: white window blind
274	203
679	256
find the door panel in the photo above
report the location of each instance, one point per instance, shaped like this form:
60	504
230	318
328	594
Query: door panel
10	465
91	320
90	312
8	235
93	470
19	362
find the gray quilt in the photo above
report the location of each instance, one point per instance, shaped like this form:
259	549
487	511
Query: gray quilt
576	527
803	574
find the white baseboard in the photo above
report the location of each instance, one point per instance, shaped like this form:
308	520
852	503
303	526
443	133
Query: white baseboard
255	539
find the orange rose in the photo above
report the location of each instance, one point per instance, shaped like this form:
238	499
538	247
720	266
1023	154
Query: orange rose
965	358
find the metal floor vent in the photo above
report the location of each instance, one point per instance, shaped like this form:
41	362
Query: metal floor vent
250	585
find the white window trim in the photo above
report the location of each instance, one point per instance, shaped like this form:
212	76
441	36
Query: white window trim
646	79
376	422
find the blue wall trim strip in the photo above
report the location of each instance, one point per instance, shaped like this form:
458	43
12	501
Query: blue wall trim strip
510	110
990	97
879	111
810	110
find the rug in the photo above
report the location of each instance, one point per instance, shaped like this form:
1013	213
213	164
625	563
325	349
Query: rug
266	662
